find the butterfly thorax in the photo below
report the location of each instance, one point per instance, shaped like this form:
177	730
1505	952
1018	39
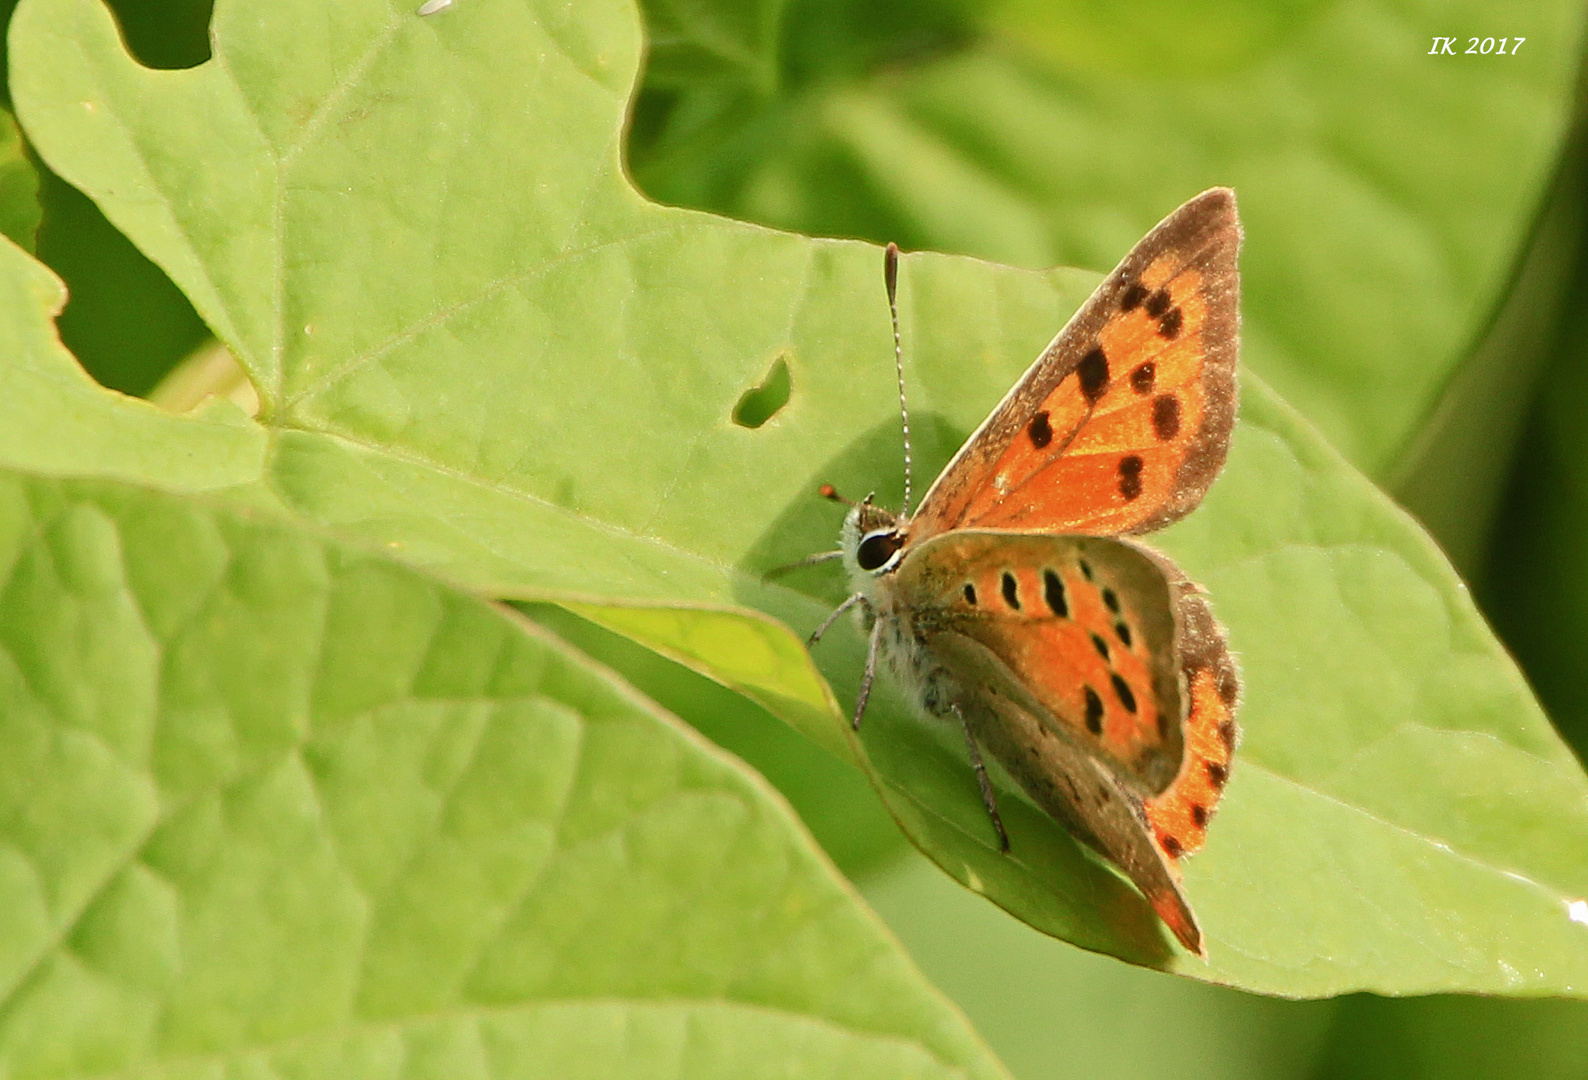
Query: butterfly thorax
874	543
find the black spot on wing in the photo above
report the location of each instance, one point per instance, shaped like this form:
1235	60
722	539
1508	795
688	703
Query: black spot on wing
1100	645
1093	373
1229	687
1144	378
1165	417
1123	692
970	594
1133	296
1169	325
1094	712
1040	430
1053	593
1130	476
1158	303
1011	591
1122	631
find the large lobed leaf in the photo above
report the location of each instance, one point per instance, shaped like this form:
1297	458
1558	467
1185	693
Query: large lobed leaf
271	804
1387	192
528	385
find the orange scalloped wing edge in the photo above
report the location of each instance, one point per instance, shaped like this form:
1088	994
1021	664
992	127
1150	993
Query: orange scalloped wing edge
1179	815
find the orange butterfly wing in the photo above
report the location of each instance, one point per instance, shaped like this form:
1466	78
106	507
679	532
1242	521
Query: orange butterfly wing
1096	674
1124	420
1179	814
1080	630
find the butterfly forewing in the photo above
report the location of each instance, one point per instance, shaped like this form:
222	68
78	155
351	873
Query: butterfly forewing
1124	420
1080	630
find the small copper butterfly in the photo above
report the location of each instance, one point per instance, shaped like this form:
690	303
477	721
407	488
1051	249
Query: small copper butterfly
1012	603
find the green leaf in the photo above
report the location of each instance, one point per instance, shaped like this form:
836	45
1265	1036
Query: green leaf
19	186
1386	728
59	420
1535	584
271	803
832	797
1457	1038
1050	1011
693	43
125	322
1387	193
530	387
1453	475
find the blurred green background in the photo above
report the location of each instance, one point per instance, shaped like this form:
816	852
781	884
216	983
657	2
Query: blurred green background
1052	133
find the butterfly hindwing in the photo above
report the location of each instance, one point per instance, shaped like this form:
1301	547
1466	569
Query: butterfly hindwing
1124	420
1179	814
1073	787
1047	640
1081	631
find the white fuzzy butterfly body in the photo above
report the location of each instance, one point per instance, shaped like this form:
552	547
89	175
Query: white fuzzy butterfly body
926	683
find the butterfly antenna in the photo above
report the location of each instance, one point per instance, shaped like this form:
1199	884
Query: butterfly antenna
827	491
890	274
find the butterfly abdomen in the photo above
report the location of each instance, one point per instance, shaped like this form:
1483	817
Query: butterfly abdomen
925	681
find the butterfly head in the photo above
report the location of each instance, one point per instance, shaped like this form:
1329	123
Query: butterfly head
873	541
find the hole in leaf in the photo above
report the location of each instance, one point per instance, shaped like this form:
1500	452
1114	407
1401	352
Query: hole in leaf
170	35
760	403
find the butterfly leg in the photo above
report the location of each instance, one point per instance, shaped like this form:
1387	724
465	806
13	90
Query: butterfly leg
983	782
851	601
873	647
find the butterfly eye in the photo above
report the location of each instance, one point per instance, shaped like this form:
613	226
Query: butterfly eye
877	549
